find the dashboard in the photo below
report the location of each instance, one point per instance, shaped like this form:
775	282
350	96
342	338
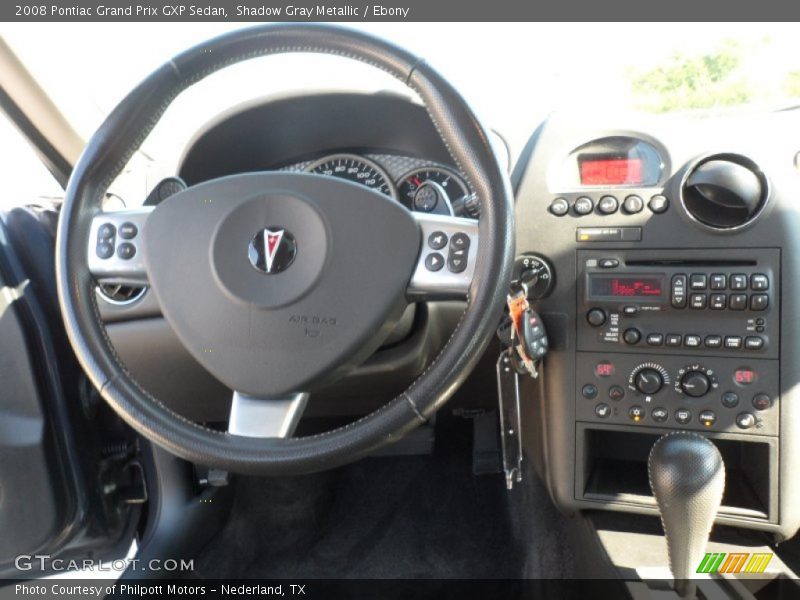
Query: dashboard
671	269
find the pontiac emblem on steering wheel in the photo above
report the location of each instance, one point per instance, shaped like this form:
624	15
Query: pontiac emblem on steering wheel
272	250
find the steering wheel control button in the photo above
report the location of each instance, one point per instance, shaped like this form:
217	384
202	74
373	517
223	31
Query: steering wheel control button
272	250
459	241
128	231
434	262
106	231
636	414
759	282
745	420
589	391
105	249
608	205
737	302
707	418
633	205
658	204
559	207
437	240
632	336
762	401
718	281
602	410
659	414
678	291
596	317
126	251
583	206
457	261
730	399
738	281
759	302
683	416
616	393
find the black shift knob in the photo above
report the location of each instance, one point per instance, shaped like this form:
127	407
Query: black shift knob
687	476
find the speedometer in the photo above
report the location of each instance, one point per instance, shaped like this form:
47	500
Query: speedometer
357	169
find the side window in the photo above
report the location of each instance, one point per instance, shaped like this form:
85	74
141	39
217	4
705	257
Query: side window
25	178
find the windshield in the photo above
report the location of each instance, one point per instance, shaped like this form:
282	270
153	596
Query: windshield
514	74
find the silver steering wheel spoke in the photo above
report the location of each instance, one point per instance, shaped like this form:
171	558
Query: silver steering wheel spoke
116	246
446	261
266	417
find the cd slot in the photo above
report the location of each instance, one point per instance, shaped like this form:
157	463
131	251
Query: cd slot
690	263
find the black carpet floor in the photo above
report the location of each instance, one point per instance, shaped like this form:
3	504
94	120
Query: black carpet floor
391	517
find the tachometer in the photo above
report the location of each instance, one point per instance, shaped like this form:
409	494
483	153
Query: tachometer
357	169
437	190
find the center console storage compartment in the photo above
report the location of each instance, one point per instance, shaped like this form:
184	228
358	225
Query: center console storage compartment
612	469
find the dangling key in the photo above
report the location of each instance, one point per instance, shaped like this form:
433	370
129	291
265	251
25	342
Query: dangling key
510	434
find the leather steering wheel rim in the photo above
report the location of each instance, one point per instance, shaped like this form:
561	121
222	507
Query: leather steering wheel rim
122	133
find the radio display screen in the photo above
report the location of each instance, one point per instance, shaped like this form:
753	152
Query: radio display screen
610	170
644	286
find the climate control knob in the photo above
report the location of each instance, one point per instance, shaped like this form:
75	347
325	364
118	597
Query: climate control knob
695	384
648	381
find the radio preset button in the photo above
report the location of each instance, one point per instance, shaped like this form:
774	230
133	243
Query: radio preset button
698	281
718	301
759	282
719	281
678	291
713	341
674	339
738	281
559	207
608	205
583	206
655	339
632	336
737	302
759	302
698	301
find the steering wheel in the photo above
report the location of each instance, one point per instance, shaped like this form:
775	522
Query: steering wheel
278	282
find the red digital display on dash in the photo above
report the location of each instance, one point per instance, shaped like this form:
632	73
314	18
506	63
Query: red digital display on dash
744	376
604	369
626	287
611	171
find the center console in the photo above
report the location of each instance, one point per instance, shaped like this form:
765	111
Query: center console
671	289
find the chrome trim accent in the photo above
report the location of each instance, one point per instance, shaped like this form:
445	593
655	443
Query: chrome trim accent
266	417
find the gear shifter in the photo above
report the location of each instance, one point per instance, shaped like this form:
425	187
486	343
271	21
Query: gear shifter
687	476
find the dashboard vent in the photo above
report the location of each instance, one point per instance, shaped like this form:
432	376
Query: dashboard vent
724	191
121	294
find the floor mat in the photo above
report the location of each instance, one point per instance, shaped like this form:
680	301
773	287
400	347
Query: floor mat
390	517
